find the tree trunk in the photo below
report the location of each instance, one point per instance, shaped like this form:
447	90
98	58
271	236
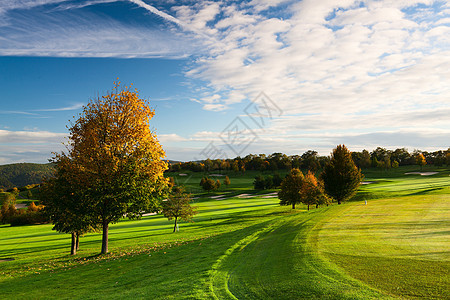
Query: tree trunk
77	244
293	205
175	227
308	206
73	249
317	205
105	237
339	201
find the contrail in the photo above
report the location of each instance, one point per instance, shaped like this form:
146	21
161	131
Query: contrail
169	18
158	12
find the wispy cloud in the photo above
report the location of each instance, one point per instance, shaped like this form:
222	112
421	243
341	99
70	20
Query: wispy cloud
81	4
71	107
8	112
65	31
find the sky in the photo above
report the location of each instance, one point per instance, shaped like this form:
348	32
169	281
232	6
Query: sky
229	78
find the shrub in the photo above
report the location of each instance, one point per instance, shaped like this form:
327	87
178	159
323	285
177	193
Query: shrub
259	183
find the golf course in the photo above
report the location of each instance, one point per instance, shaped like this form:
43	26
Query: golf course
390	241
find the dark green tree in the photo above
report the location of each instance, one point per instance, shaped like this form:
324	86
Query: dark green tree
291	188
65	205
340	176
259	183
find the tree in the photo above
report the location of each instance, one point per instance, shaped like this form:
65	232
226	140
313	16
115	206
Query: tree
217	184
29	194
171	182
420	160
65	205
209	184
227	181
340	176
117	159
312	192
177	207
291	188
259	183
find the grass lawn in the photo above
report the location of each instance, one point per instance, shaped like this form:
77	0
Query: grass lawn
396	246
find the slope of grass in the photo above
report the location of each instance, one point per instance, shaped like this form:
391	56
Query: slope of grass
250	248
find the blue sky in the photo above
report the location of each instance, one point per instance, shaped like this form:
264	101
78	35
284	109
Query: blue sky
363	73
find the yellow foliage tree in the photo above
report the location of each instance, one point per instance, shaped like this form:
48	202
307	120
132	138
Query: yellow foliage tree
312	192
420	160
115	158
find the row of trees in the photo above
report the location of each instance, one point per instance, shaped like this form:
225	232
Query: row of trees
310	160
339	180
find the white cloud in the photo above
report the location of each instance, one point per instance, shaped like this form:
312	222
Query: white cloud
31	137
170	138
29	146
373	58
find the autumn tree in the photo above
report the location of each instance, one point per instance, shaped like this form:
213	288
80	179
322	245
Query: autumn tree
312	192
340	176
117	159
227	181
177	207
209	184
291	188
420	160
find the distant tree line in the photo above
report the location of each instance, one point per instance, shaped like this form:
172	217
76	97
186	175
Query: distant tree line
381	158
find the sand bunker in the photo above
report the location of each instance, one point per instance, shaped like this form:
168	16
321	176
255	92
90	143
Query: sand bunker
245	196
367	182
422	173
182	174
6	259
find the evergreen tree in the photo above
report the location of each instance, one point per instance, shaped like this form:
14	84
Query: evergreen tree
340	176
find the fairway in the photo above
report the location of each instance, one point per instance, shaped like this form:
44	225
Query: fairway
248	247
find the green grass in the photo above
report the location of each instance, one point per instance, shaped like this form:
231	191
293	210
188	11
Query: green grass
396	246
